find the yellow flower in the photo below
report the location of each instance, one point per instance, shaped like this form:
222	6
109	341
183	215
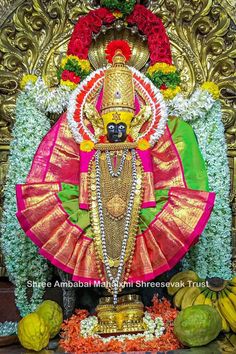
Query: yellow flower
212	88
170	93
27	78
69	84
143	144
64	61
85	65
86	145
165	68
117	14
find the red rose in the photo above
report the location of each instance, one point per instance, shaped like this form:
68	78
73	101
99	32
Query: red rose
85	37
157	30
79	48
102	139
69	75
163	87
102	12
105	15
65	75
139	10
95	23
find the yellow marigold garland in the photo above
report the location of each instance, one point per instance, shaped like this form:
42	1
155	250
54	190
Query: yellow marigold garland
26	79
165	68
170	93
83	63
86	145
212	88
69	84
143	144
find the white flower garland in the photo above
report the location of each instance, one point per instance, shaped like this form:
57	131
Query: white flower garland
162	107
211	256
8	328
155	329
48	100
21	256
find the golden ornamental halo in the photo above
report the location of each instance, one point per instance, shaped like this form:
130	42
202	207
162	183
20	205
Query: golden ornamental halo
85	98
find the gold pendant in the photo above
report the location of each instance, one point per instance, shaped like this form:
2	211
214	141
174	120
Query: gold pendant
116	206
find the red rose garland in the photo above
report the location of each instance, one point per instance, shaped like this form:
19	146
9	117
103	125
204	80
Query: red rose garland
146	21
75	67
81	38
153	28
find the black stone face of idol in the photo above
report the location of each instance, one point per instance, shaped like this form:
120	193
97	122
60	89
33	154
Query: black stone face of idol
116	133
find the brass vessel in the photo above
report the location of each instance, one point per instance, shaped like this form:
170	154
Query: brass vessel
126	317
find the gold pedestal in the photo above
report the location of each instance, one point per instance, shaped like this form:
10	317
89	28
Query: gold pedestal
125	317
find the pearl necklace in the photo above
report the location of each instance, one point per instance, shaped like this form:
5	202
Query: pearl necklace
122	162
115	281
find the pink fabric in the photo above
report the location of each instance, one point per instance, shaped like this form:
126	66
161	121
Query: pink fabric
43	154
99	101
84	206
190	242
146	158
85	158
55	159
148	205
137	105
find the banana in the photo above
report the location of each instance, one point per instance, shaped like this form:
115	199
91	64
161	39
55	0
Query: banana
231	296
232	289
208	299
189	296
179	296
214	297
200	299
227	309
180	280
225	325
233	281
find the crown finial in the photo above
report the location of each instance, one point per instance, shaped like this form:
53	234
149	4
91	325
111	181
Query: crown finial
118	51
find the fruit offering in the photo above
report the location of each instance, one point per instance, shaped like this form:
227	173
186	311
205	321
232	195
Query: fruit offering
189	290
197	325
52	314
33	332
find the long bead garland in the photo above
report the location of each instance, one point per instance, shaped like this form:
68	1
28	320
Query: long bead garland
120	168
115	281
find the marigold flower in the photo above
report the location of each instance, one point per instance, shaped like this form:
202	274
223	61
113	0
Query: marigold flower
143	144
170	93
69	84
212	88
117	14
165	68
86	145
64	61
26	79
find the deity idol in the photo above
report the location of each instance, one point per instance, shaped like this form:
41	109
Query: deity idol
117	191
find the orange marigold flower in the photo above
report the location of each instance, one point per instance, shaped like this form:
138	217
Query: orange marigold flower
143	144
86	145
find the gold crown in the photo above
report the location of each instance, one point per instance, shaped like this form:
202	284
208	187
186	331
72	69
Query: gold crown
118	94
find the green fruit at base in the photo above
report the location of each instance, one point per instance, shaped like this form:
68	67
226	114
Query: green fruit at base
33	332
52	314
197	325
